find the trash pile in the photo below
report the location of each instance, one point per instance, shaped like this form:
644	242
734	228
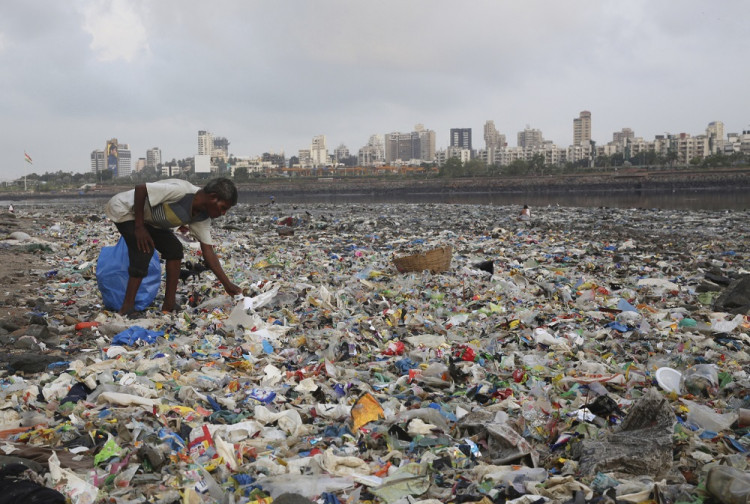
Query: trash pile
585	355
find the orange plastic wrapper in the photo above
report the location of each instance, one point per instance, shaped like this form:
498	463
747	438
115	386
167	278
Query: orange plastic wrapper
80	326
365	410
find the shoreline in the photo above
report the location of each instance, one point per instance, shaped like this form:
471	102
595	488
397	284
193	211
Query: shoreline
632	181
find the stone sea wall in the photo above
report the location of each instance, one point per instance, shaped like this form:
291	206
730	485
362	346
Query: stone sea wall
623	181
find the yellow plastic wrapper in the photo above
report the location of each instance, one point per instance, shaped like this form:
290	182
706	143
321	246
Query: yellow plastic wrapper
365	410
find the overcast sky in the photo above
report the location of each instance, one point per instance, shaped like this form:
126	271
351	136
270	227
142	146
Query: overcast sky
270	75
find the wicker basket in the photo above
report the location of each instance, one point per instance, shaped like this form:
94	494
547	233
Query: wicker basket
435	260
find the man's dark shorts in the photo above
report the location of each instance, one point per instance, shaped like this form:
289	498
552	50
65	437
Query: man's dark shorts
168	245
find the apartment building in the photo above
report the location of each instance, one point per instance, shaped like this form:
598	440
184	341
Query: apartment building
461	137
623	136
153	157
493	139
715	134
220	148
319	152
403	147
98	161
205	143
530	138
582	128
426	144
372	154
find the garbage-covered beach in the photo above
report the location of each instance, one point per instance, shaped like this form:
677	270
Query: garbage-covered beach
585	355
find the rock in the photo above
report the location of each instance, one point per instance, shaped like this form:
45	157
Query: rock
31	362
717	278
10	324
735	298
40	332
37	320
706	286
27	343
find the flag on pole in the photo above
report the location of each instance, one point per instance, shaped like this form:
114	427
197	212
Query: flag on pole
28	158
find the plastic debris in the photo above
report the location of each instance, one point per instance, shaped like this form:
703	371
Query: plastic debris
587	355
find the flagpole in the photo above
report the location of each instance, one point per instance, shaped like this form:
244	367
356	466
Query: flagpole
27	158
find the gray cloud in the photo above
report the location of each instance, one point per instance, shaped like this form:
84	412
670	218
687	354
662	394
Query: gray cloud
271	75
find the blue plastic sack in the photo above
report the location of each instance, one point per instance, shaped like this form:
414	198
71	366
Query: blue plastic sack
112	277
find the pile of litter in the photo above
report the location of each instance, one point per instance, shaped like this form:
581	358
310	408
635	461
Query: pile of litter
585	355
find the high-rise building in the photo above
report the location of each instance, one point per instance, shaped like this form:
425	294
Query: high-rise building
319	151
305	159
220	148
98	161
623	136
124	166
372	154
205	143
427	145
493	139
582	128
461	137
530	138
341	152
140	164
715	134
153	157
402	146
116	158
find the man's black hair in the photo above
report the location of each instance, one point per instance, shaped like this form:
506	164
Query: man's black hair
223	188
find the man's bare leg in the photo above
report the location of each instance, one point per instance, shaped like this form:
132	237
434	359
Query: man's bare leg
128	304
170	289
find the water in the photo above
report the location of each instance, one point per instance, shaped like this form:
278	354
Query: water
671	200
695	199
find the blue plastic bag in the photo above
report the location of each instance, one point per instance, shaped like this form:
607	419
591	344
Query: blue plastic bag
112	277
133	334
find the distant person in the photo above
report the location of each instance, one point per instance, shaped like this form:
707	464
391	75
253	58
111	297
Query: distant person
145	217
10	208
273	200
525	214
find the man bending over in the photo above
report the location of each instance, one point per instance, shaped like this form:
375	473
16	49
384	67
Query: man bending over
146	216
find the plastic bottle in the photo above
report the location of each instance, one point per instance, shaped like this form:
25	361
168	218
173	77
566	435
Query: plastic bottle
729	485
701	380
743	418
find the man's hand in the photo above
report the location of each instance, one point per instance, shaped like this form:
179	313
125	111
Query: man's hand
143	239
232	289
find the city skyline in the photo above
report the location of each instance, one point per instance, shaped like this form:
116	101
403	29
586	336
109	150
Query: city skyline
418	146
271	76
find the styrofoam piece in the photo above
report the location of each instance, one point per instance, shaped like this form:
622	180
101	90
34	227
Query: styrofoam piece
668	379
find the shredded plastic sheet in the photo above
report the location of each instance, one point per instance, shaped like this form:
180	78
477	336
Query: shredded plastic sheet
366	410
